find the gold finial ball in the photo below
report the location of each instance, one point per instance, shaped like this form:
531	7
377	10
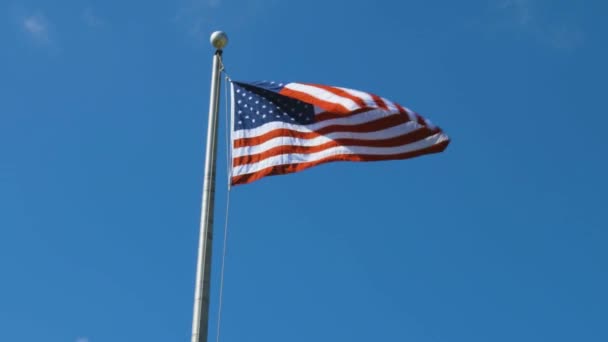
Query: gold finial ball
219	39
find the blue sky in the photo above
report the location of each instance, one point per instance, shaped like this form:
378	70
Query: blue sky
501	238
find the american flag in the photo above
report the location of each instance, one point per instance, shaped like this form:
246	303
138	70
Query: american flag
281	128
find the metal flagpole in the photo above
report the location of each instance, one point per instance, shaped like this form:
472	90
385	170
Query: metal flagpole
200	318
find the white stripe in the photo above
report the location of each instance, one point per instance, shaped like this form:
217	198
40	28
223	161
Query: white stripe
297	158
429	124
357	119
391	106
388	133
367	98
323	95
410	114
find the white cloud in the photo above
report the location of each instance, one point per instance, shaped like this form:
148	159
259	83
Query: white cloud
197	15
214	3
535	19
566	38
37	27
520	10
201	17
92	19
82	339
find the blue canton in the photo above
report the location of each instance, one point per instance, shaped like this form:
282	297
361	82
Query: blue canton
259	103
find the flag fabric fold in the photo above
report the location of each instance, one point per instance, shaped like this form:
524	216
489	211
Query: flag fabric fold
280	128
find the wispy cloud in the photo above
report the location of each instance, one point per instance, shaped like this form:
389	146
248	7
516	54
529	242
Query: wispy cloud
201	17
531	17
214	3
91	19
566	37
37	27
520	10
82	339
198	16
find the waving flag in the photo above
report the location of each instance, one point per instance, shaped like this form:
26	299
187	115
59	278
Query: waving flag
281	128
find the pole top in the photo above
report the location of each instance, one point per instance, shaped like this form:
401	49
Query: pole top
219	39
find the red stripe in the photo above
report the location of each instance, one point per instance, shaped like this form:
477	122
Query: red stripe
401	140
341	93
328	106
371	126
379	101
330	116
401	109
420	119
291	168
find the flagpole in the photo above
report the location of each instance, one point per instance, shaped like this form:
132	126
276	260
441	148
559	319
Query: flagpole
200	317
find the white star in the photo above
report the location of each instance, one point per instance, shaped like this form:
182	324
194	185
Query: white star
270	111
240	111
240	122
250	97
252	120
239	101
263	106
238	90
246	116
263	116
